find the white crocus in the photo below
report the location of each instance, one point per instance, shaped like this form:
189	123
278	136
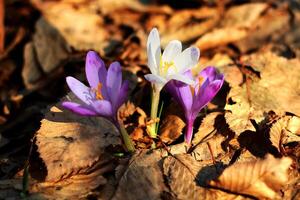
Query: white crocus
165	67
172	63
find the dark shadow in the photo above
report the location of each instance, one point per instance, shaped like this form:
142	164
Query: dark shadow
258	142
208	173
37	167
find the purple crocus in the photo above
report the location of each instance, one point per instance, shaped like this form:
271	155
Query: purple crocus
105	94
194	97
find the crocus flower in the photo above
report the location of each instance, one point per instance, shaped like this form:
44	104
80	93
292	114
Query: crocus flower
172	63
105	94
165	67
194	97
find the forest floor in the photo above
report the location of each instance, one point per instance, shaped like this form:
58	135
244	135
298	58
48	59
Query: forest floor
246	142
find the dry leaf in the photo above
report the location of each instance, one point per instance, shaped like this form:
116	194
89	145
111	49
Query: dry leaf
274	24
142	179
183	175
171	128
184	25
225	65
206	128
234	26
294	125
260	178
70	144
76	187
272	92
277	132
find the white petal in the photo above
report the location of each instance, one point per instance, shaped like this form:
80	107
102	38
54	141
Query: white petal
152	62
155	79
181	78
187	59
153	46
172	50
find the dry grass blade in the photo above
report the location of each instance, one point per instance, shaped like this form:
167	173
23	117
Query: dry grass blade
260	178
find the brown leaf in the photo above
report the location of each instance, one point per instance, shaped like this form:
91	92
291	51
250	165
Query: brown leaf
182	177
171	128
234	26
76	187
260	178
225	65
142	179
206	128
70	144
184	25
271	92
277	132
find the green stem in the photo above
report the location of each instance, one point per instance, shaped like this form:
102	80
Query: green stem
126	138
154	109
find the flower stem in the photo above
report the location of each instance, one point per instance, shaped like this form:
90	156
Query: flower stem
126	138
154	108
189	131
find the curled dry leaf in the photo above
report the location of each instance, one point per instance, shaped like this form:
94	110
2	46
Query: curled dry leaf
171	128
69	144
259	178
253	100
284	131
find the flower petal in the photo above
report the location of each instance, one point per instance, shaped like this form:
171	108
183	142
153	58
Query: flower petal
103	108
153	47
114	81
172	50
95	69
209	72
123	95
155	79
79	109
83	92
206	94
182	78
151	61
187	59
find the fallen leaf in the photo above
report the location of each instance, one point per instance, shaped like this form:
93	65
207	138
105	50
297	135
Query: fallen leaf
271	92
259	178
69	144
171	128
142	179
182	177
234	26
206	128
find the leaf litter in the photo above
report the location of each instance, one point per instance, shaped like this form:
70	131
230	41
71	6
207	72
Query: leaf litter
255	114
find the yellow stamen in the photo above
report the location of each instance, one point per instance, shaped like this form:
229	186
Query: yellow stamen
165	65
98	92
200	82
192	90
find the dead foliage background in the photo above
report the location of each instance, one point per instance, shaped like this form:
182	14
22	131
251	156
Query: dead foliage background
246	146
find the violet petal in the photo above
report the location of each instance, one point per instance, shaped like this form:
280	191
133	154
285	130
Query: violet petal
95	71
81	91
103	108
123	95
206	94
79	109
114	81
